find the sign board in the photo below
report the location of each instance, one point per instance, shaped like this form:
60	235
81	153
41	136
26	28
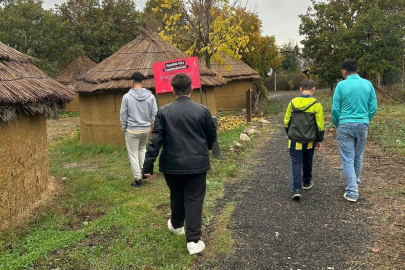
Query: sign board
165	71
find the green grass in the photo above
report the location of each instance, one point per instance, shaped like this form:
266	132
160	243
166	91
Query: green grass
66	114
100	222
272	106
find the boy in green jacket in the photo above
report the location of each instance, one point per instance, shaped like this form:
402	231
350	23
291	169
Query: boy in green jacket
304	125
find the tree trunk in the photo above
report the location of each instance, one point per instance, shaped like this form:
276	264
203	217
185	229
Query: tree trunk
331	87
256	96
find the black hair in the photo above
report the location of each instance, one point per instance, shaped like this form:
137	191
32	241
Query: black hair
181	84
350	65
307	84
137	77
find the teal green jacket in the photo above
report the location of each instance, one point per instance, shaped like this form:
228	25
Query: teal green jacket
354	101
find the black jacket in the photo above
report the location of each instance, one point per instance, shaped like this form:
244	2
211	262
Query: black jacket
185	131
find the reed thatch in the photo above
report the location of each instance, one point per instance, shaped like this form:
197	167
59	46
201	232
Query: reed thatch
24	87
234	70
76	68
139	55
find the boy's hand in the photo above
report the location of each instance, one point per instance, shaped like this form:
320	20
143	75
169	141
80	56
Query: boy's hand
318	145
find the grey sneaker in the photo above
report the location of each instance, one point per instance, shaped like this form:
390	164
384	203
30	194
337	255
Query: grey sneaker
308	186
349	198
296	195
194	248
178	231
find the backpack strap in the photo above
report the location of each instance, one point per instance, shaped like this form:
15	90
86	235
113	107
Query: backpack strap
303	110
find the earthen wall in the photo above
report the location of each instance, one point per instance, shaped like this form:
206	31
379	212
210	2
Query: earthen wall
232	96
24	165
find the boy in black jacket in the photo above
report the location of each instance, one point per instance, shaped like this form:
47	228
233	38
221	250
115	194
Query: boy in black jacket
304	125
185	132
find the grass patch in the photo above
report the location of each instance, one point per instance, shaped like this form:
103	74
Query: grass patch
272	106
222	242
67	114
101	222
387	127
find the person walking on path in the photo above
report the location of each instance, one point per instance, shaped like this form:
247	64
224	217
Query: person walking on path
304	125
354	105
186	132
138	110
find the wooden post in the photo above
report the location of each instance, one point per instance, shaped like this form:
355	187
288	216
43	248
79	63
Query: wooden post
201	96
275	81
216	151
157	100
249	106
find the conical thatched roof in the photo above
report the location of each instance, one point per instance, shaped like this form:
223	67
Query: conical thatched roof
24	86
76	68
234	70
139	55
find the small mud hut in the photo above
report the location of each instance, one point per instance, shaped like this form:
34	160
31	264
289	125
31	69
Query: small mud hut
101	89
27	97
239	77
70	73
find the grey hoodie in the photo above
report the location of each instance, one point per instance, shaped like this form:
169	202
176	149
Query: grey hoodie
138	109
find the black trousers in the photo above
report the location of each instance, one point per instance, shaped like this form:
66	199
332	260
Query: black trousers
301	160
187	192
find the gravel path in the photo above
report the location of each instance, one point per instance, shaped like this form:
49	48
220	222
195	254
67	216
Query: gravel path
272	231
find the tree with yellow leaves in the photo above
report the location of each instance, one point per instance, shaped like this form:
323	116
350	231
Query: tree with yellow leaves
210	29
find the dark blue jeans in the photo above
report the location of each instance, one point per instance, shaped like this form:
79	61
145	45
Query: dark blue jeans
301	160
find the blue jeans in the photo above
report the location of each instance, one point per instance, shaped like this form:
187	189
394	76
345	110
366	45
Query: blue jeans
352	138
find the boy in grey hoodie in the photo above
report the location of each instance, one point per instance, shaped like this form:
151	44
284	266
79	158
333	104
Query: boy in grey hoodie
138	110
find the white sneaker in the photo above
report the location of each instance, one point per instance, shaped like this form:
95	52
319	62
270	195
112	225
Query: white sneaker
194	248
178	231
348	198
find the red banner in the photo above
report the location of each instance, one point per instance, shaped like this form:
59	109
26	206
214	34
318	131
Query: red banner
165	71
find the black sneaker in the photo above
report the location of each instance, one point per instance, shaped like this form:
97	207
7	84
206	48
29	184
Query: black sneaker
137	183
308	186
296	195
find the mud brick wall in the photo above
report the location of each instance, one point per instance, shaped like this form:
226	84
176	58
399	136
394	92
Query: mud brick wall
73	106
24	165
232	96
100	115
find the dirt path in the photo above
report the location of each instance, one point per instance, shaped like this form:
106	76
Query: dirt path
57	129
322	231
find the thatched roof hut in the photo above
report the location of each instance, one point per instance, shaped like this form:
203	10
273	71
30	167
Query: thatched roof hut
101	89
239	77
26	96
70	73
114	73
74	69
25	87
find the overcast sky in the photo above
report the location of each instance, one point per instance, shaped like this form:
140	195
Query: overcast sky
279	17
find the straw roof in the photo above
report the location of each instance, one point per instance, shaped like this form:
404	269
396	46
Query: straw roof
76	68
114	73
234	70
25	86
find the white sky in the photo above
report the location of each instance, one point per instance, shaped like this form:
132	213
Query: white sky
279	17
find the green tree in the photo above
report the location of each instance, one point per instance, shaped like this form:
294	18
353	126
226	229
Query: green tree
101	28
291	53
40	33
371	31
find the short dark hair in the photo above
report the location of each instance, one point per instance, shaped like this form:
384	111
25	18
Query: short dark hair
137	77
181	84
307	84
350	65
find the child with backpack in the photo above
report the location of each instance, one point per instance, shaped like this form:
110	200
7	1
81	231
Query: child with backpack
304	125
